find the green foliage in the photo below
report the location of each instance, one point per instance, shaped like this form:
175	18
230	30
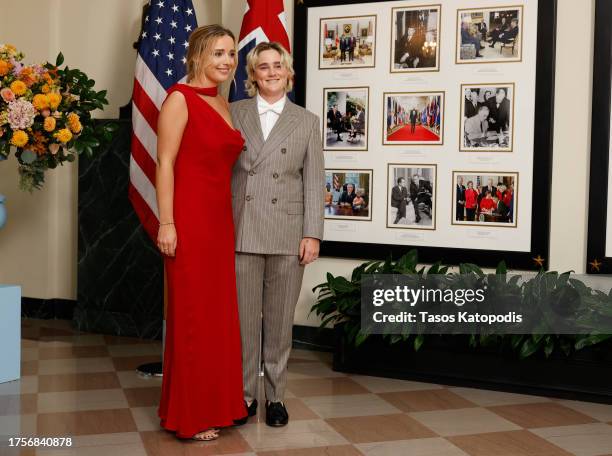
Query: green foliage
339	302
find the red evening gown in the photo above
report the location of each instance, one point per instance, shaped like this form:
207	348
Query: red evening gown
202	373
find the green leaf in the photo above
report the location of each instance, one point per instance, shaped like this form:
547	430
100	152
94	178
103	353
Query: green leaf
549	346
360	339
528	348
418	341
59	60
409	261
501	268
591	340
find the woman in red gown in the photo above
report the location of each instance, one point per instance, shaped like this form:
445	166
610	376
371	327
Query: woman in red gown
196	150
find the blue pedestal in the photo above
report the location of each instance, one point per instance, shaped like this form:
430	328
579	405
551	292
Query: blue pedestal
10	333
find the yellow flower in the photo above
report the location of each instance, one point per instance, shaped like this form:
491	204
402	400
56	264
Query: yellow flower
45	88
18	88
49	124
76	127
19	139
54	100
40	101
64	135
74	123
5	67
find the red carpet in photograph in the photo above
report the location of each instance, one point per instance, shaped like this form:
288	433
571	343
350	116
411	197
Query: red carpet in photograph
420	134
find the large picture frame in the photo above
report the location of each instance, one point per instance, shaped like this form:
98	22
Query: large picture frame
599	244
374	239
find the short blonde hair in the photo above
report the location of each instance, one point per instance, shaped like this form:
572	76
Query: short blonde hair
201	43
253	57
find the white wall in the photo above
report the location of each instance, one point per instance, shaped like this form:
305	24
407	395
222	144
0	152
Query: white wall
38	247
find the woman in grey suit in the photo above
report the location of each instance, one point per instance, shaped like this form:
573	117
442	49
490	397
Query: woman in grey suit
278	196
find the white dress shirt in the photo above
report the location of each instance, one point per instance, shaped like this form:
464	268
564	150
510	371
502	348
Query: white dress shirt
269	113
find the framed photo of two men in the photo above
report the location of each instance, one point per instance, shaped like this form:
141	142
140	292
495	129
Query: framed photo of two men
418	99
599	244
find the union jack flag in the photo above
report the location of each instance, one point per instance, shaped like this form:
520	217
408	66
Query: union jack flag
160	63
264	20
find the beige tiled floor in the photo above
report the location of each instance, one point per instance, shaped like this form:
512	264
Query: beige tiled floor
85	386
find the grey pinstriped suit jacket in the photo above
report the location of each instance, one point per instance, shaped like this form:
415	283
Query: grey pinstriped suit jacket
278	185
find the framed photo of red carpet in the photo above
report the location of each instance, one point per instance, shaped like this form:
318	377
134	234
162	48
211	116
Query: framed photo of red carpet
599	244
413	118
416	119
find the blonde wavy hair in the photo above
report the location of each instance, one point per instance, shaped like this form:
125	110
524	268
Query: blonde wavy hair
253	57
201	44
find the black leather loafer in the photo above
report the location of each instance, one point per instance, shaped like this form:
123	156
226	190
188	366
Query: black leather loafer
276	414
251	411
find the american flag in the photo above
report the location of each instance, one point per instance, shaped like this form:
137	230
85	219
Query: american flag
160	63
264	20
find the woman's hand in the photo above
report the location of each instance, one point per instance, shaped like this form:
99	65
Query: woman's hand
166	240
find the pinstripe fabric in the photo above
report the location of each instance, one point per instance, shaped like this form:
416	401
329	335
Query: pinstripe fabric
278	199
278	185
269	287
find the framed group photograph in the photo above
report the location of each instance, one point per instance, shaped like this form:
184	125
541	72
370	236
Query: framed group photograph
411	196
489	35
347	42
485	199
413	118
346	118
379	118
348	194
415	38
487	117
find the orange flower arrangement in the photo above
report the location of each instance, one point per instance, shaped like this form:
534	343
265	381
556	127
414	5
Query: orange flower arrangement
45	115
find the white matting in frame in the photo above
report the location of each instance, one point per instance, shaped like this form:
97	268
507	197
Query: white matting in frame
346	118
446	156
348	194
487	117
347	42
411	196
490	198
489	35
415	38
413	118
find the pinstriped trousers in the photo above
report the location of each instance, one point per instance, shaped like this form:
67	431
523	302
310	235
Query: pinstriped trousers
268	290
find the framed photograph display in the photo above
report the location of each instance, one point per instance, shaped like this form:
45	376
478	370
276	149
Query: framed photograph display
487	117
413	118
418	138
346	118
347	42
599	245
348	194
415	38
411	196
489	35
